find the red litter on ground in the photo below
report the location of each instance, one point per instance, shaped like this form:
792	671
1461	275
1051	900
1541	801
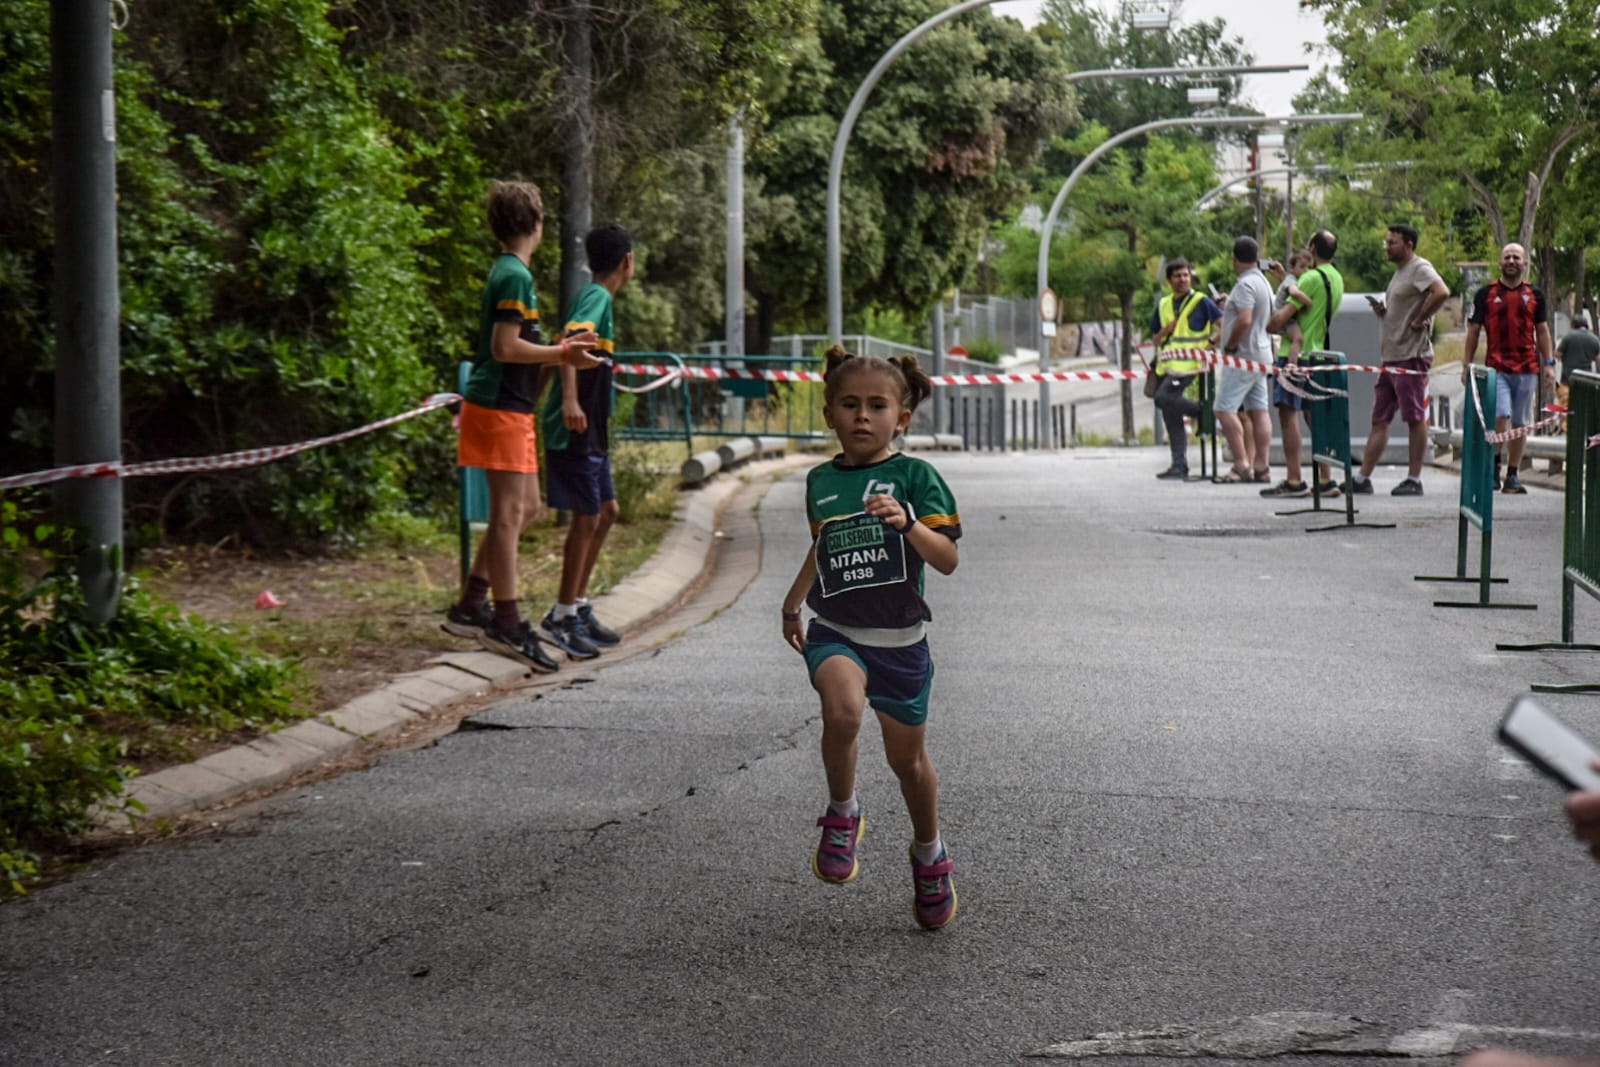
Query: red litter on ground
269	600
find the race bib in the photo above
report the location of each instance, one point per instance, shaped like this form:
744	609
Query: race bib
858	552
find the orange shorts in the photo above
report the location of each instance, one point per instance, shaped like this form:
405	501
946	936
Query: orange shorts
496	440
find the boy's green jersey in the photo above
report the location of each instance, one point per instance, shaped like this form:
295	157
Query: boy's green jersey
591	310
868	573
508	296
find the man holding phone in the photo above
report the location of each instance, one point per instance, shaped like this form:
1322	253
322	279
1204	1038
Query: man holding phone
1406	344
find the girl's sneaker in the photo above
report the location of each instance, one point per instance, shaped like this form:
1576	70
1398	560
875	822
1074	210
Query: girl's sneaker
935	902
835	859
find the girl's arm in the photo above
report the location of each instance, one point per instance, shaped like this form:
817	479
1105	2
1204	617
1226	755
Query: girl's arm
936	549
797	597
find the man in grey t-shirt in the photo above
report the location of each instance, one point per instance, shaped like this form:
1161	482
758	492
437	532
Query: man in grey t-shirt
1241	403
1406	343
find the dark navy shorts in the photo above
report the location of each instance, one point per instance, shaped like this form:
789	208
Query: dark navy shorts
898	679
576	483
1281	397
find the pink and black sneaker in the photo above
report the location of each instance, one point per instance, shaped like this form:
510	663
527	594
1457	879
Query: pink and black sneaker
835	860
935	903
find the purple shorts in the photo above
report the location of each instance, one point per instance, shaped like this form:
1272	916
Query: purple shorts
1403	393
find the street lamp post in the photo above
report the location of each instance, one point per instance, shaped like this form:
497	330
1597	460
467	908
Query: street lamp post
1207	121
859	101
1319	168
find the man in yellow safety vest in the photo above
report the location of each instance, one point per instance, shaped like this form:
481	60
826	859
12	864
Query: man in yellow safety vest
1182	324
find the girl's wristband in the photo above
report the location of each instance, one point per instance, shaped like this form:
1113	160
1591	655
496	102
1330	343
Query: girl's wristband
791	616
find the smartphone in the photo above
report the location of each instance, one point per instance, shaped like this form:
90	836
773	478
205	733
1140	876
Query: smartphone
1549	744
1213	290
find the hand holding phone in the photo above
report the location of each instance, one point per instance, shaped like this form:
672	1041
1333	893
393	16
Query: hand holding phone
1550	745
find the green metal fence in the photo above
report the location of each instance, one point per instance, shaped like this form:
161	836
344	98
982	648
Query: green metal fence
1330	437
726	407
1580	551
1476	506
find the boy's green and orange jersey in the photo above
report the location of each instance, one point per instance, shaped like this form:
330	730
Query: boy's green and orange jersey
508	296
591	310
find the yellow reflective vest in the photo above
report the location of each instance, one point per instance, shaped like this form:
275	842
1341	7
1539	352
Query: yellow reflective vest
1183	335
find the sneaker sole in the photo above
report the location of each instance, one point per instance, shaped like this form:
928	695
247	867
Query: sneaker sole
861	831
955	902
461	629
510	651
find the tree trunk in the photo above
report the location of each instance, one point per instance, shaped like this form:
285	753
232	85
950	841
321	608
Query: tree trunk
1547	274
1534	189
1580	284
1130	433
758	329
577	155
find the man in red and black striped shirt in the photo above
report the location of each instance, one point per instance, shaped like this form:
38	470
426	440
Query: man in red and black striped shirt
1515	323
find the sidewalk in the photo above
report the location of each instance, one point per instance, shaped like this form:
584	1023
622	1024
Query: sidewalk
679	565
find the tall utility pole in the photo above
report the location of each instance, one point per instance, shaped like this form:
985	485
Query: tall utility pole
733	279
88	404
577	158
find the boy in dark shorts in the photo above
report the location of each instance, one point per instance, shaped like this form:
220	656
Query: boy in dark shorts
574	417
497	424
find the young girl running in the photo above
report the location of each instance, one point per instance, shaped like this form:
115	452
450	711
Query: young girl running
877	516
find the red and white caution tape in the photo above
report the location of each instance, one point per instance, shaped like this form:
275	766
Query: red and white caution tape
1516	431
671	378
251	457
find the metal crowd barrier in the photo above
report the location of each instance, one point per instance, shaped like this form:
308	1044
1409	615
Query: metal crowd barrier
1476	507
1580	542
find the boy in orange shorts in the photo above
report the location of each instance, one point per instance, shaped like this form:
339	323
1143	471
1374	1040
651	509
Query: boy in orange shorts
497	432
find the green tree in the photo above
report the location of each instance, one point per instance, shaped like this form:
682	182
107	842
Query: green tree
1487	101
938	155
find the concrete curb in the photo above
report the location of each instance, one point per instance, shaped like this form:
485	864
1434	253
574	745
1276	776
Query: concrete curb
660	583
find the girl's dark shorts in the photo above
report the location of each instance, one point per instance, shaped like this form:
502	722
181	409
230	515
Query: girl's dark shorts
898	679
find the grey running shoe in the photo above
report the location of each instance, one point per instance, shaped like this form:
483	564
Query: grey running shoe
570	634
1513	484
599	632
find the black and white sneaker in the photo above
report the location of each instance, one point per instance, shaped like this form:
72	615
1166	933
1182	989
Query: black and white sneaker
599	632
570	635
1328	488
463	622
1288	488
522	645
1409	487
1356	486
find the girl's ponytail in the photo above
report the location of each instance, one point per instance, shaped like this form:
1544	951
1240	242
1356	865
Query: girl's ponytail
918	386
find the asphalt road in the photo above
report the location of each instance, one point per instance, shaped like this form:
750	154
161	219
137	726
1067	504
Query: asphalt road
1196	765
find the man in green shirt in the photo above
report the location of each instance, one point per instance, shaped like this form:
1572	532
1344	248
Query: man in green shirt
1577	348
1313	301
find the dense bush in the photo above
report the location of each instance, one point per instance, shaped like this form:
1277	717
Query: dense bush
65	684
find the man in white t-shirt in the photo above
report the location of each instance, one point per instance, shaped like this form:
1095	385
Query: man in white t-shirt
1242	394
1405	341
